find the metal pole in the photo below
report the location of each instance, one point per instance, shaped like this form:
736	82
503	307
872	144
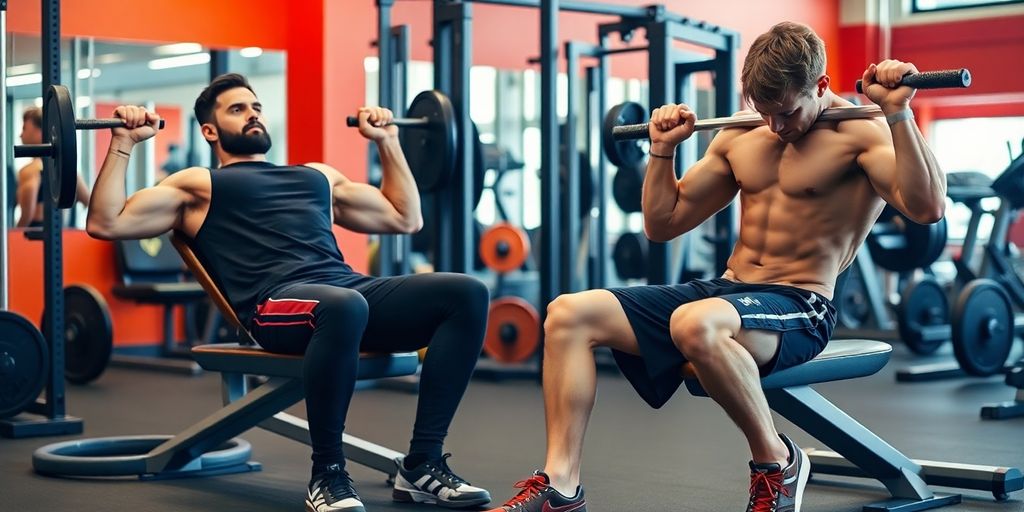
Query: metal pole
549	212
726	103
661	70
218	66
385	88
401	51
3	155
53	271
571	222
601	233
571	6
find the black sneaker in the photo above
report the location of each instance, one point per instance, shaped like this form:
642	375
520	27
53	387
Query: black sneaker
332	491
435	483
537	495
776	489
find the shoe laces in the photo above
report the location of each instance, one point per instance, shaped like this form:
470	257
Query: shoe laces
339	483
443	472
764	491
531	487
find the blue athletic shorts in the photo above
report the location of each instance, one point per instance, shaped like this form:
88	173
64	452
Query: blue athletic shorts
804	319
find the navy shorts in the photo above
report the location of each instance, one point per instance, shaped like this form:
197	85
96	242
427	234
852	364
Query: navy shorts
804	319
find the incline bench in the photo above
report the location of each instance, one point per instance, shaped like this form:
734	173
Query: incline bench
858	451
209	447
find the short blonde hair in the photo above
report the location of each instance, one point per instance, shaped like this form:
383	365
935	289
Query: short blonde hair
789	57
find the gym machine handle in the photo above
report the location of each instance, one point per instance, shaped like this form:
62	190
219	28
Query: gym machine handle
933	79
353	121
99	124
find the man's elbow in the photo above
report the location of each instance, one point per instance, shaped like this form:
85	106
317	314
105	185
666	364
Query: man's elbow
100	230
656	233
411	225
930	215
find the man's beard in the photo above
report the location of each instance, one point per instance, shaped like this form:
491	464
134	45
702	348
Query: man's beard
245	143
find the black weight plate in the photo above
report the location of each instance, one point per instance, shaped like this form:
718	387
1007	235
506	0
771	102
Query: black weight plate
853	306
431	150
982	328
627	188
900	244
630	256
479	167
624	153
59	120
23	363
922	304
88	334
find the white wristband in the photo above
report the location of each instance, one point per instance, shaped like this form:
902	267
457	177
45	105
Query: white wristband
902	115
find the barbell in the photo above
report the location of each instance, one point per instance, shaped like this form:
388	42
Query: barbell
925	80
432	148
62	150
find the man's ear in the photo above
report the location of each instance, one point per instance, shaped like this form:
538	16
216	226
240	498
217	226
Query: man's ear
823	82
209	132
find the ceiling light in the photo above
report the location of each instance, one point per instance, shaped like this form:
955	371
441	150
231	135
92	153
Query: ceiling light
251	52
178	49
31	78
194	59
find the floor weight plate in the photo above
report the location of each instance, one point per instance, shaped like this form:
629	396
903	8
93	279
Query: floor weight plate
982	328
23	363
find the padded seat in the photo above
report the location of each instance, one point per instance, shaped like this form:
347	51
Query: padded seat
841	359
235	358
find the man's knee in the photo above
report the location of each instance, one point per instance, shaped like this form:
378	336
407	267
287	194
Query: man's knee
467	290
695	335
344	306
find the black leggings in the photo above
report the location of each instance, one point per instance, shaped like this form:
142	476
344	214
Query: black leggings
332	324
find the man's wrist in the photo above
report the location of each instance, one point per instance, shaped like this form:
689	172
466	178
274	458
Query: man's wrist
122	145
893	117
662	149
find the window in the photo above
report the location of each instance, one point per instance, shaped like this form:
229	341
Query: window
945	5
986	145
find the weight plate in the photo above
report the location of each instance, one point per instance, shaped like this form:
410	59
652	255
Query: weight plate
630	256
88	334
900	244
853	307
23	363
59	120
431	150
982	328
624	153
513	330
479	167
922	304
627	188
504	247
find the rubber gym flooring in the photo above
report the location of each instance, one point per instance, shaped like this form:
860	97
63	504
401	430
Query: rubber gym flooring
684	457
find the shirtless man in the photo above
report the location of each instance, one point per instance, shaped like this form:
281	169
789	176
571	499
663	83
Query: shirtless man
263	232
30	178
809	194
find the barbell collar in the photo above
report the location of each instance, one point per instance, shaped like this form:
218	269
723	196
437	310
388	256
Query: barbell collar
100	124
401	122
33	150
642	131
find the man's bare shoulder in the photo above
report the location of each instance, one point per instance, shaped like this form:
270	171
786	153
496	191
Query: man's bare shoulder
30	172
187	178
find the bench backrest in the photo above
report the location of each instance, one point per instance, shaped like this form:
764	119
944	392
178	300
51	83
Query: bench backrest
184	247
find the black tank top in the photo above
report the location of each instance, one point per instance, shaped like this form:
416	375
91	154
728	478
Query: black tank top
268	227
